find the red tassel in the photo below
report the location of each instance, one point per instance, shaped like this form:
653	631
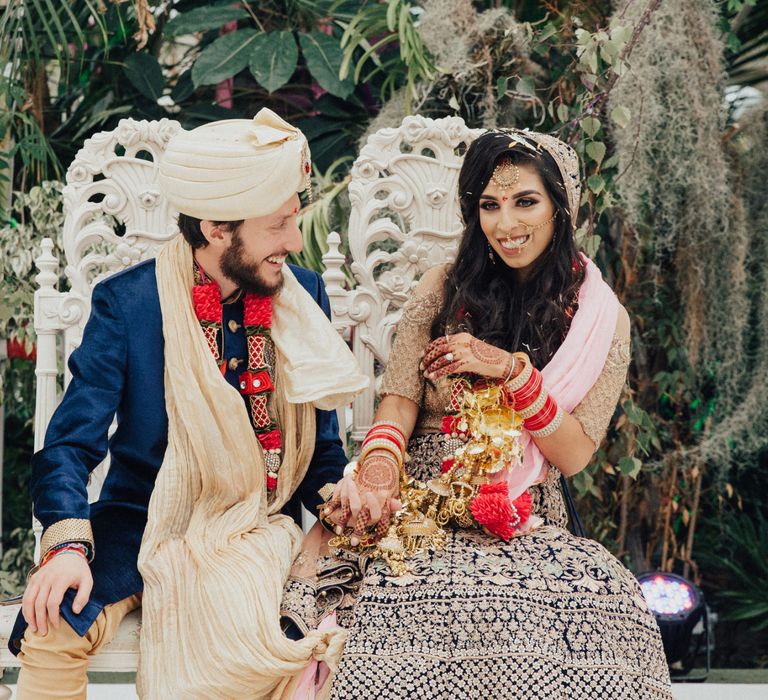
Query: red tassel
491	509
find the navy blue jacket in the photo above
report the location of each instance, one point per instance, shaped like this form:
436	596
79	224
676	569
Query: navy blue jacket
118	369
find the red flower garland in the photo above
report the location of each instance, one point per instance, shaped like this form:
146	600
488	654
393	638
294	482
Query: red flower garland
207	301
258	311
257	319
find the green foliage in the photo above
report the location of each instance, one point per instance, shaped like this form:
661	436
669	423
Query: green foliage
16	562
324	58
36	215
78	67
226	56
744	24
203	19
389	25
145	74
739	552
273	59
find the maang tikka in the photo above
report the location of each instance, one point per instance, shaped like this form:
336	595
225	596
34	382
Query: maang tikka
506	174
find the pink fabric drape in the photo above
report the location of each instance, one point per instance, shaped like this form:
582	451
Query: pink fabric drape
317	672
574	369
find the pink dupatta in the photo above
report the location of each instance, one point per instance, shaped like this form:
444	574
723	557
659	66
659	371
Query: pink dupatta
574	369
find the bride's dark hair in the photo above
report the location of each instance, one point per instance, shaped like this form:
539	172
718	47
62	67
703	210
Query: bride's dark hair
483	296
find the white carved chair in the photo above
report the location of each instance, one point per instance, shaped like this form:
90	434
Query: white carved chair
404	220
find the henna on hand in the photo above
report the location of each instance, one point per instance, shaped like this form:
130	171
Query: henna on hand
439	363
331	505
378	473
361	523
454	367
488	354
383	525
437	348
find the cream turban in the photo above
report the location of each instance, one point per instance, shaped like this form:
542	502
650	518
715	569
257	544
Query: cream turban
236	168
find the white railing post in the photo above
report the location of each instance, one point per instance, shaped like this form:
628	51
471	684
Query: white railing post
47	325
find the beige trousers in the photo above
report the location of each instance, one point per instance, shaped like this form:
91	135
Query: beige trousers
55	666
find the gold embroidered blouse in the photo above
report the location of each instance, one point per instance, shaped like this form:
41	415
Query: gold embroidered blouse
403	377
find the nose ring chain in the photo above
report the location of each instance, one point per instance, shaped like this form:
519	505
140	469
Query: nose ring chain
529	228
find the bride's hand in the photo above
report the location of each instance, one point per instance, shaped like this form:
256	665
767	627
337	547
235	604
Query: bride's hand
367	498
462	353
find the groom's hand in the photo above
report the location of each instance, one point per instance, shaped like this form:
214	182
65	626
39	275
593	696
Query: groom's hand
47	586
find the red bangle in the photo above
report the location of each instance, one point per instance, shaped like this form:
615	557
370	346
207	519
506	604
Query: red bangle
544	417
529	393
389	434
530	387
382	436
535	421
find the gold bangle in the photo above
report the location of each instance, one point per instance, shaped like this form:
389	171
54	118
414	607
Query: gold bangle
525	373
511	369
382	444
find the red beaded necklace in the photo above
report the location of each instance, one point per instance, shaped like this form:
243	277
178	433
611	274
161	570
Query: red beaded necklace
256	382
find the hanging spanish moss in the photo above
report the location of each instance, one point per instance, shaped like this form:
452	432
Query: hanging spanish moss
475	51
481	56
680	192
745	432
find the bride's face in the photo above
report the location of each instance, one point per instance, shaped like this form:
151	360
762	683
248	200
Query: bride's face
518	219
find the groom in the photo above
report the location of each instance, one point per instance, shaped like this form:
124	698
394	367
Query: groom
251	328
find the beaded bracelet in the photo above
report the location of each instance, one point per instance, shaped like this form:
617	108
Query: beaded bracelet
389	424
381	438
395	438
62	548
387	431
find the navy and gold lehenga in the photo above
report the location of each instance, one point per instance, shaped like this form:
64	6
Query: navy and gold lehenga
547	615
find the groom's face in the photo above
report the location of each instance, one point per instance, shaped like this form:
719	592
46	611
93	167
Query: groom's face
258	248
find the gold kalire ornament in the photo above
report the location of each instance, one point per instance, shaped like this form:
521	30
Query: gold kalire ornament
490	429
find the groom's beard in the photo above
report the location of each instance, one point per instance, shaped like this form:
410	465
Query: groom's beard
245	274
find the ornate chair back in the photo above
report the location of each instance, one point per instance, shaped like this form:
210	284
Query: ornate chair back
404	220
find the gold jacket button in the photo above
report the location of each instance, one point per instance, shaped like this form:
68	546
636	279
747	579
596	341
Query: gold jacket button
233	325
233	363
